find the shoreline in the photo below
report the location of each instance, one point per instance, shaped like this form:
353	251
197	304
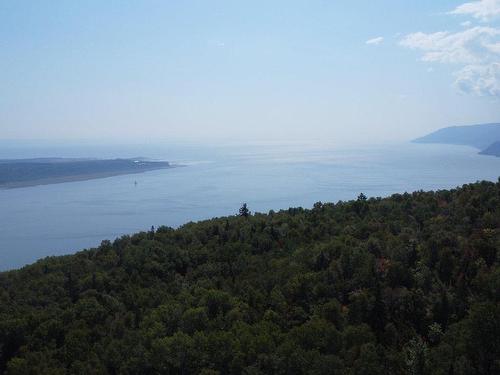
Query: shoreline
76	178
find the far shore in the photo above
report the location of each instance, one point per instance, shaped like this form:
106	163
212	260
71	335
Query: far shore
80	177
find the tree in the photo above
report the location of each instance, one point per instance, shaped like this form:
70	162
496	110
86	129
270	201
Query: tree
483	337
173	354
416	353
244	211
321	291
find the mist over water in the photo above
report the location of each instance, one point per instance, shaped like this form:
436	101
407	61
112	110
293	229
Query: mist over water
63	218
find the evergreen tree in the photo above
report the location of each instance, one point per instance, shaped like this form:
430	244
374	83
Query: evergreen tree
244	211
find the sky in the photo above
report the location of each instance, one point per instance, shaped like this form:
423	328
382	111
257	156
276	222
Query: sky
246	70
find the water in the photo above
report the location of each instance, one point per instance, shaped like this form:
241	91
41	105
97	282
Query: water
62	218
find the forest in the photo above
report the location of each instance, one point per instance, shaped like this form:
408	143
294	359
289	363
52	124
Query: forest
408	284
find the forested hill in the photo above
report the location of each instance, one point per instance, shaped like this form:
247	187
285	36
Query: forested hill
404	285
493	149
479	136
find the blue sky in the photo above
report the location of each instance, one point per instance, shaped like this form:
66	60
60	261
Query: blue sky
260	70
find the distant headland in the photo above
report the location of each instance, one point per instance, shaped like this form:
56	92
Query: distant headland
485	137
43	171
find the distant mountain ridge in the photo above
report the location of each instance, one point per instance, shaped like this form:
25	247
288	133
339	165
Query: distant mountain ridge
485	137
493	149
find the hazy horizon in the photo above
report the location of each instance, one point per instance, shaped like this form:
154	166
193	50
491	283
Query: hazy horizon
147	71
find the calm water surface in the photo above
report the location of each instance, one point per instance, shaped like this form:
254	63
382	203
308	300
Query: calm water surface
59	219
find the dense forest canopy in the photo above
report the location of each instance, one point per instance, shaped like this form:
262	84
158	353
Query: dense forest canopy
408	284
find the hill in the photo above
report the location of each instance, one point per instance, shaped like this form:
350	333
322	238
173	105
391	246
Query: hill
479	136
408	284
493	149
29	172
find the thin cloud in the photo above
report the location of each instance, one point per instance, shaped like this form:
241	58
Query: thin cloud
470	46
483	10
480	80
216	43
375	41
475	51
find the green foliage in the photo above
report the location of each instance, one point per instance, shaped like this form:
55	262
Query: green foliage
404	285
244	211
